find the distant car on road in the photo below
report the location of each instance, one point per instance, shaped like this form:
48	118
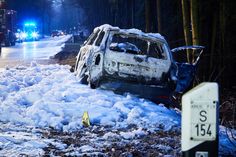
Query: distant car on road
57	33
129	60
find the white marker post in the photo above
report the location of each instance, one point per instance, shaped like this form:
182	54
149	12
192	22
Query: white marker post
200	127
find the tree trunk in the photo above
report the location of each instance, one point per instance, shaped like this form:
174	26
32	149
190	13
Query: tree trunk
194	22
159	15
186	26
133	12
147	15
213	40
222	52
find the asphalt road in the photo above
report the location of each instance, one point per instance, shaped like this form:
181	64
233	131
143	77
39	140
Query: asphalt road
26	52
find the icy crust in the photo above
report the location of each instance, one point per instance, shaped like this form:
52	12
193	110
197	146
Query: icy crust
135	31
51	96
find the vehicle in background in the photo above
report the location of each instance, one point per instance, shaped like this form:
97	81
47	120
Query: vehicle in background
7	27
129	60
19	37
57	33
29	32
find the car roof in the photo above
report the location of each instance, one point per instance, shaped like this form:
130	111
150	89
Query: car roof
133	31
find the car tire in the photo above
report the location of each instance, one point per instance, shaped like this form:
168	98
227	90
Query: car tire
83	77
169	83
93	85
172	84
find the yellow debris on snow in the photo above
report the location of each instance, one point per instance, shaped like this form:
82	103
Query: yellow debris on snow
85	119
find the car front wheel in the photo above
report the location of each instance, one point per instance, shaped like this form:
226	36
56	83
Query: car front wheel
83	76
94	85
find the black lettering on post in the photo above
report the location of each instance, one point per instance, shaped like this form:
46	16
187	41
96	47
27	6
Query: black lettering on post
203	117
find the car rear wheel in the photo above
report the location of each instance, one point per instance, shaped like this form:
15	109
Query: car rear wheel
172	84
169	83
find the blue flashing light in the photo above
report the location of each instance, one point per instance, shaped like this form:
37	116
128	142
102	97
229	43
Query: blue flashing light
30	24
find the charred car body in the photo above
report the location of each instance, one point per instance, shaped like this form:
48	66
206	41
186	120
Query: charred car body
128	60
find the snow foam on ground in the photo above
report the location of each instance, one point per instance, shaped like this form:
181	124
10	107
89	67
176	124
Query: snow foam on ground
51	96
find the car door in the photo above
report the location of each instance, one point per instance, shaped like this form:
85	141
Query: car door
82	62
96	64
187	65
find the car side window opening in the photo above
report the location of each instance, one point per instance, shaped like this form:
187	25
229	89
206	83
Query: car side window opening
93	38
98	59
99	38
155	50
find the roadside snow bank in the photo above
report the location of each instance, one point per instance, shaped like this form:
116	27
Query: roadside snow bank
51	96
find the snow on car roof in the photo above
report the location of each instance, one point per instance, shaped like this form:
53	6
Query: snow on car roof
106	27
134	31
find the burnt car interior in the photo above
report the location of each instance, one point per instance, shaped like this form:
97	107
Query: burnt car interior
134	45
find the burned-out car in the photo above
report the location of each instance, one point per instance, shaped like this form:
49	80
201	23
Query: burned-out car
128	60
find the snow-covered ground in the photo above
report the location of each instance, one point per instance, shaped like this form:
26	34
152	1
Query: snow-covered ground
41	108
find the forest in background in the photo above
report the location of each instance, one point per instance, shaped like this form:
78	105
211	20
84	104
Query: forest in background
208	23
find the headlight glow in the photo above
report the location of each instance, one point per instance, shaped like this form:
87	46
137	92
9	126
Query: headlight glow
17	35
34	34
24	35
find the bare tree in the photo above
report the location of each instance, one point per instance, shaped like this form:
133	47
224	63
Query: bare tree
194	21
186	26
147	15
159	15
